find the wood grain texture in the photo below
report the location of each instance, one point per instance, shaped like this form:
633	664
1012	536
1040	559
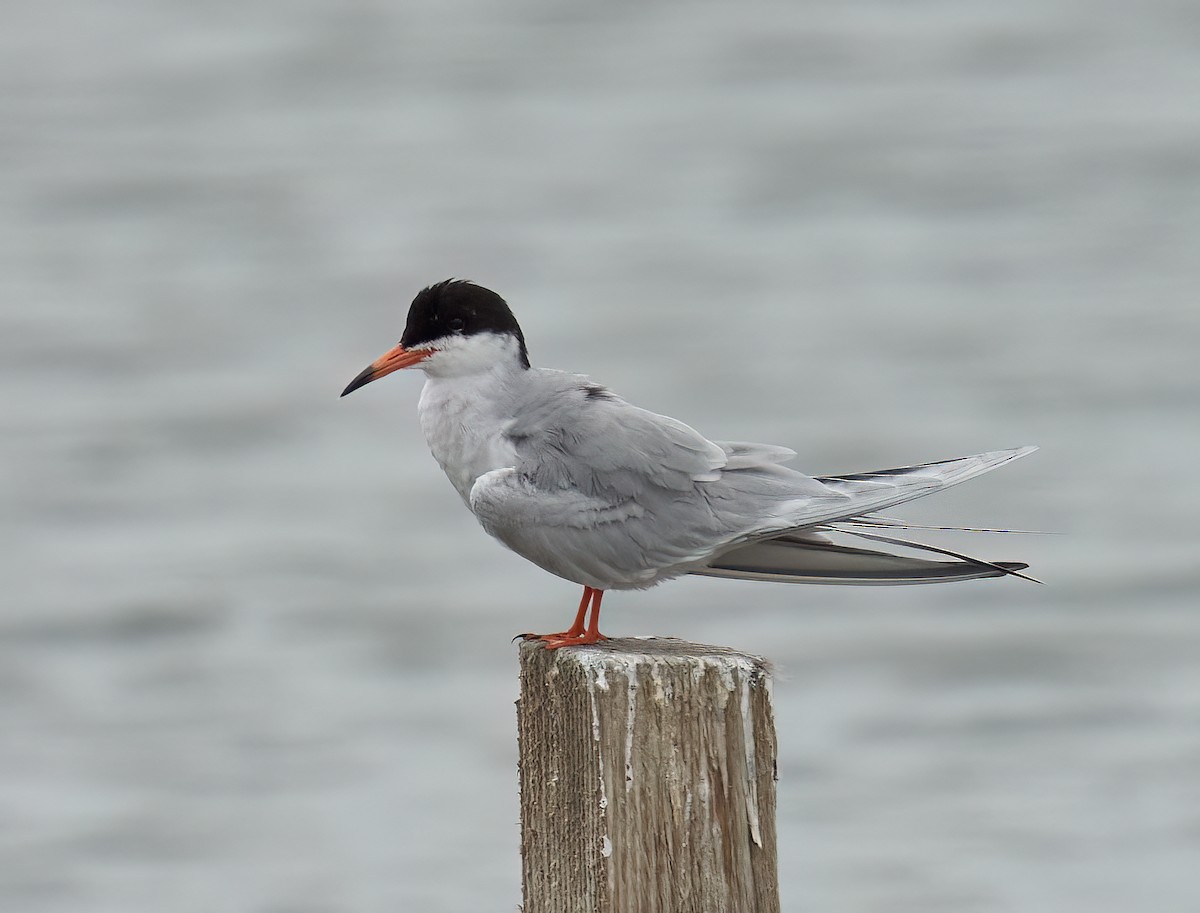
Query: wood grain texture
647	771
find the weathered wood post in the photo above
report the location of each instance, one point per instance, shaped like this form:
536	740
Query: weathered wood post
647	771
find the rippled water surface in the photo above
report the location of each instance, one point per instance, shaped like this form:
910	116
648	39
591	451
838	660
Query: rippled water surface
253	652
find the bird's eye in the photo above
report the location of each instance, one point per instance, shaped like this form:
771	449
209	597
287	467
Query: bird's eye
455	324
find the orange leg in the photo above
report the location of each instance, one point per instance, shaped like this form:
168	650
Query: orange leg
577	635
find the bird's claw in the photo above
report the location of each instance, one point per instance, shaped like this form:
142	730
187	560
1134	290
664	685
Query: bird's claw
567	639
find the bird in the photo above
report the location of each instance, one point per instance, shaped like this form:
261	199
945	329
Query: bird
610	496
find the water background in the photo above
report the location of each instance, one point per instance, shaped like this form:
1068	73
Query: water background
253	652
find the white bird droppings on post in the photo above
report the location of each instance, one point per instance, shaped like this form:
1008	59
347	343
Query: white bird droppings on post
745	684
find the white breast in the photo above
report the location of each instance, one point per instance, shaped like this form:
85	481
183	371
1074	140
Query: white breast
463	420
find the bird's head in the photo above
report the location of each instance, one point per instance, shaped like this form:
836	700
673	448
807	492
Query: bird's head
454	328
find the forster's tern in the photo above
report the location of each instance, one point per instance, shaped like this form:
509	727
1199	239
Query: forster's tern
599	492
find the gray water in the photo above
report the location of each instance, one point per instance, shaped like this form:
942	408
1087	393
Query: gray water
254	654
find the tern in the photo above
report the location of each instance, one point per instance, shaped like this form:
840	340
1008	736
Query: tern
610	496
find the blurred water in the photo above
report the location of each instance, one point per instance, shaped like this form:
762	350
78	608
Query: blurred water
253	652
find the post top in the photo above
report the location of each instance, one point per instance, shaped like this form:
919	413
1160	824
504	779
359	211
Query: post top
631	651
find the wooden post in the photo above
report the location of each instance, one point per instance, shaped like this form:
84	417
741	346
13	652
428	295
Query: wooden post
647	771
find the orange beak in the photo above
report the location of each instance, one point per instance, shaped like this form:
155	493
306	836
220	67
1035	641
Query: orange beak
390	361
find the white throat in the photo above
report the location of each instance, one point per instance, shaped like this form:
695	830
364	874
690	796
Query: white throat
467	402
480	353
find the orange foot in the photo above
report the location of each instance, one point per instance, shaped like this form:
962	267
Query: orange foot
577	635
567	639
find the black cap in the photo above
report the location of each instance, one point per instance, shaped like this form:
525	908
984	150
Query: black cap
462	308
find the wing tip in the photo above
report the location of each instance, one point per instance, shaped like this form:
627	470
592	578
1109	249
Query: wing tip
1017	452
1015	568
